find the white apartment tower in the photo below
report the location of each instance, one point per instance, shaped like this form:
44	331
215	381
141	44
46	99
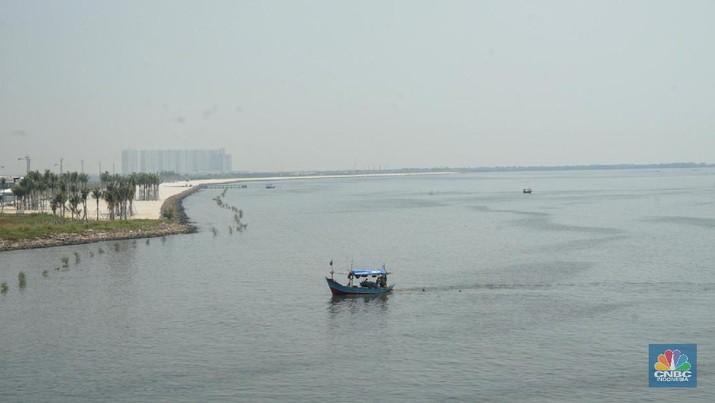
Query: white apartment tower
191	162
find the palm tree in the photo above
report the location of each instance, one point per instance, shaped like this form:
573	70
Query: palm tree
52	182
83	179
74	201
131	192
54	204
19	190
60	199
104	178
97	194
111	197
84	193
72	194
32	180
2	198
41	191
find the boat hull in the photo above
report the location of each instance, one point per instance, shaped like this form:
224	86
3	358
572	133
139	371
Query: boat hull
339	289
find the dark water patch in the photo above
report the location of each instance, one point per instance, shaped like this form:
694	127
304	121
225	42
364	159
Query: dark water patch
536	273
486	209
581	198
579	244
545	223
682	220
589	311
399	204
657	285
705	203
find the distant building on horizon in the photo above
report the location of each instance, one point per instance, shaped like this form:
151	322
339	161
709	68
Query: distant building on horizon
183	162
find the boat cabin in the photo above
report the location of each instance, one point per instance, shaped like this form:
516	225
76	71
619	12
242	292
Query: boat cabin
375	278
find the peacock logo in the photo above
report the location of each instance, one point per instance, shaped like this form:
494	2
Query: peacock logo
673	365
672	360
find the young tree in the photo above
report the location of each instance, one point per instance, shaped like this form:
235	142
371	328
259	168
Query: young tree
19	190
96	195
74	201
111	197
60	199
84	194
2	196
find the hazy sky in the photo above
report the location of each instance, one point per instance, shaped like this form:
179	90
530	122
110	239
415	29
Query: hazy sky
315	85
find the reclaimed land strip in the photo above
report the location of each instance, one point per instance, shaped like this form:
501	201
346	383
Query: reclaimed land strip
178	223
173	208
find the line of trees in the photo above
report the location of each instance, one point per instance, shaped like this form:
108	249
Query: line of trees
71	190
148	185
2	197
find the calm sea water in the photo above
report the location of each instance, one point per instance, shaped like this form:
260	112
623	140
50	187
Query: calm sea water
500	296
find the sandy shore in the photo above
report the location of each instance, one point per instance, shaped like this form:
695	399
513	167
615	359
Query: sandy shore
142	209
151	209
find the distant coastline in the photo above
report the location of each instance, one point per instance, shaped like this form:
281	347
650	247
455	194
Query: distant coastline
173	219
256	176
594	167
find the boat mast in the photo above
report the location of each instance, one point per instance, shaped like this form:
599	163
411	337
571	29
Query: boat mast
350	275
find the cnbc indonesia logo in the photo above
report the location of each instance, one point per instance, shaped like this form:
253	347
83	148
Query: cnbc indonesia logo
671	366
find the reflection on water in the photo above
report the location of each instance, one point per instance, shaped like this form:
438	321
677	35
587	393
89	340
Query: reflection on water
355	304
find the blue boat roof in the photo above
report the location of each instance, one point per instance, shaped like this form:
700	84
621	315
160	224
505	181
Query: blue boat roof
368	272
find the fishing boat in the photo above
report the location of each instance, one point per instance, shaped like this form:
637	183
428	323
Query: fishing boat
527	191
357	287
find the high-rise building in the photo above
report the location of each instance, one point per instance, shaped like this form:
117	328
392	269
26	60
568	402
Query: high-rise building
191	162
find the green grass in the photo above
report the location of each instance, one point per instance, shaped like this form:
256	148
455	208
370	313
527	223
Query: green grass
37	225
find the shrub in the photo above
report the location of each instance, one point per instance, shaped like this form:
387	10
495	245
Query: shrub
168	214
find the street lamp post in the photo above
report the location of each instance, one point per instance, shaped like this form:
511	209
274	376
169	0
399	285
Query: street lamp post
60	164
27	160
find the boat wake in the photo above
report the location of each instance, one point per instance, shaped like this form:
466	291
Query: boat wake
482	286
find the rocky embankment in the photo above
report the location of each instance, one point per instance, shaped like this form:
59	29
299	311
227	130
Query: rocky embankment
174	221
173	210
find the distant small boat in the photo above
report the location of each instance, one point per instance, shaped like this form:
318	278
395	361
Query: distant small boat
364	287
270	186
527	190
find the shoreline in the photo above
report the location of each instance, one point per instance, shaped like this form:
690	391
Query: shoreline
162	228
170	205
178	225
